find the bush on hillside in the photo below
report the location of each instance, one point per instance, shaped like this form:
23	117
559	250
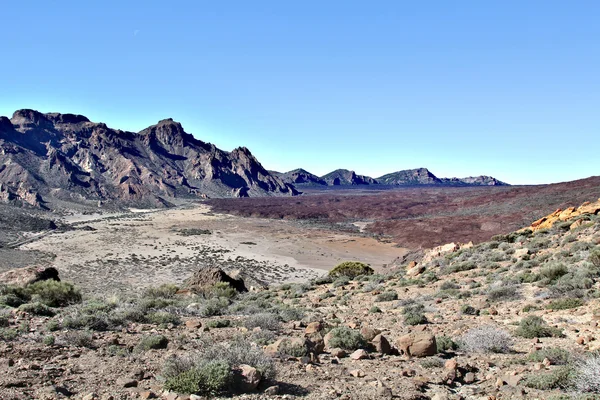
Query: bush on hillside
351	269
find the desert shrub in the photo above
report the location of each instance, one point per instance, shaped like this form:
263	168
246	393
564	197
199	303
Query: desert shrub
323	280
163	318
152	342
533	326
558	378
268	321
79	338
7	334
345	338
220	289
552	273
502	293
449	285
386	296
49	340
444	344
4	322
432	362
326	295
594	257
556	355
37	308
262	338
165	291
486	339
207	378
54	293
565	304
414	314
218	323
52	325
79	320
214	306
351	269
587	374
375	310
341	281
12	300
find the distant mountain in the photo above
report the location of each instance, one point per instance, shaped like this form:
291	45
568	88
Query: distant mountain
55	156
418	176
301	177
343	177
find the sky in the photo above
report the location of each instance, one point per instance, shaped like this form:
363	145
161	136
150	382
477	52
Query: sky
505	88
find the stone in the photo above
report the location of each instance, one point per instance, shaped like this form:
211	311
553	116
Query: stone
315	342
248	378
193	324
313	327
26	276
147	395
357	373
337	352
272	390
416	270
451	364
417	345
369	333
381	344
207	277
360	354
469	378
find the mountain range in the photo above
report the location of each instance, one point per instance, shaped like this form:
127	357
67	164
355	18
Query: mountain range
52	157
410	177
67	157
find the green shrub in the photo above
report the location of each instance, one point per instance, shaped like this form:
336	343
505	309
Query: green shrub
564	304
533	326
165	291
163	318
594	257
210	378
351	269
341	281
432	362
79	338
37	309
414	314
49	340
55	293
218	323
12	300
469	310
556	355
52	325
375	310
4	322
502	293
7	334
267	321
345	338
552	273
152	342
215	306
558	378
444	344
386	296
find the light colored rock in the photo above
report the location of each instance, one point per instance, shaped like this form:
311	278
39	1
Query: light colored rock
360	354
381	344
417	345
313	327
248	378
357	373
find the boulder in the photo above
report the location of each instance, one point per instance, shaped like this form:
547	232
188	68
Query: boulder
28	275
247	378
381	344
369	333
207	277
417	345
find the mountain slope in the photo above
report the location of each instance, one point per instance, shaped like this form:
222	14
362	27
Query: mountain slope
68	157
301	177
341	177
418	176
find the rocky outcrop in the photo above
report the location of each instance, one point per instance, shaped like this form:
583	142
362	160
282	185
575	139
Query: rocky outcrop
206	278
28	275
301	177
417	345
67	157
343	177
418	176
567	214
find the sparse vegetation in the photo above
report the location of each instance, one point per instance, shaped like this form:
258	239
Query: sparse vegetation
486	339
346	338
533	326
351	269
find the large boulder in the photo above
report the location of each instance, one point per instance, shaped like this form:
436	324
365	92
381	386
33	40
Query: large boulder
247	379
207	277
28	275
417	345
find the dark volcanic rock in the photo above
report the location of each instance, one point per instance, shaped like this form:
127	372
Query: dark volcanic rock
207	277
68	157
301	177
341	177
418	176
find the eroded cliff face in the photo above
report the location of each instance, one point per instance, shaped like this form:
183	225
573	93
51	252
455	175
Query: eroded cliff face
68	157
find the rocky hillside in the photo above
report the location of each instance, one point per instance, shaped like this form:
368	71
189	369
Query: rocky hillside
344	177
512	318
66	157
409	177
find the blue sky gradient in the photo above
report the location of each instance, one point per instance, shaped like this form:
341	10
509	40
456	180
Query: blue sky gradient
503	88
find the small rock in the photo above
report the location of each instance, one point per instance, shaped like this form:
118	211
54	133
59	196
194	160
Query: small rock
313	327
369	333
272	390
357	373
451	364
381	344
193	324
89	396
469	378
359	354
249	378
337	352
126	382
148	395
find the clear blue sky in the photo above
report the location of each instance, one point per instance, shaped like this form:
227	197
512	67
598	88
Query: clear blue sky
503	88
